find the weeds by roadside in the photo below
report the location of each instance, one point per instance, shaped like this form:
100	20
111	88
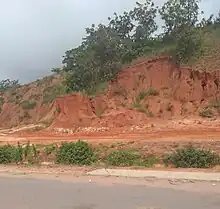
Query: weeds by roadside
190	157
81	153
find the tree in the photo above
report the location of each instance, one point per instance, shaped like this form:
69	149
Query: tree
177	13
217	19
105	48
144	14
7	84
189	45
96	60
122	24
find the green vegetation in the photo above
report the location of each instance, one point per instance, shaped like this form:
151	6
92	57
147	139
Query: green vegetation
191	157
81	153
206	113
1	100
49	149
52	92
148	92
8	154
152	92
106	48
8	84
76	153
215	104
26	105
1	103
123	158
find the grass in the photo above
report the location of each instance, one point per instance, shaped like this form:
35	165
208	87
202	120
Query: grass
215	104
1	100
97	90
143	94
143	109
52	92
26	105
206	113
48	98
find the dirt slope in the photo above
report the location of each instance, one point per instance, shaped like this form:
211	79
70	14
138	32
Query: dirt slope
28	104
150	91
141	93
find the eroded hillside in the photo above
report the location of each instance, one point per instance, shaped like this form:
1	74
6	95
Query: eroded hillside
142	93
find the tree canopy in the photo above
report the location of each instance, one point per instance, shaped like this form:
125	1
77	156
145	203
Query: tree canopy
105	48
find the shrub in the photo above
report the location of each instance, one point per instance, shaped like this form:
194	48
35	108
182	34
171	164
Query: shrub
123	158
49	149
1	100
76	153
190	157
152	92
215	104
148	92
48	98
28	104
9	154
142	95
206	113
30	153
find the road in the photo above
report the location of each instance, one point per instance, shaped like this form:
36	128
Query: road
33	193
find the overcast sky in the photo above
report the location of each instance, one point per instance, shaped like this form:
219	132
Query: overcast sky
35	34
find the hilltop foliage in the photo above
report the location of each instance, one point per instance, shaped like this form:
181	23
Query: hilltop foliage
105	48
7	84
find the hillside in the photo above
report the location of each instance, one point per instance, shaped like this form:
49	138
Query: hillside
123	76
30	103
153	89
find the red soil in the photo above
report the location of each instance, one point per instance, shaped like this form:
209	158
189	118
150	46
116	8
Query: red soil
182	93
116	114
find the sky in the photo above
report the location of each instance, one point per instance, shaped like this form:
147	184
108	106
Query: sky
34	34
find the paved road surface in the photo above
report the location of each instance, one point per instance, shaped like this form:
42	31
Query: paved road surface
30	193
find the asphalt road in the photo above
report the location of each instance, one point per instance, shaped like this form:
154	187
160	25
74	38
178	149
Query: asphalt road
27	193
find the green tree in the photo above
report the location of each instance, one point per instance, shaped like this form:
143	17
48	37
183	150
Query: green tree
105	48
189	45
7	84
144	14
176	13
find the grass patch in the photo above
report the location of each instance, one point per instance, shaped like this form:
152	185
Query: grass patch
206	113
48	98
143	109
26	105
152	92
123	158
1	100
52	92
215	104
49	149
148	92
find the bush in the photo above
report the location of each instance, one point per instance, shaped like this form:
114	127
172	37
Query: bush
215	104
9	154
28	104
123	158
190	157
76	153
1	100
49	149
206	113
48	98
152	92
